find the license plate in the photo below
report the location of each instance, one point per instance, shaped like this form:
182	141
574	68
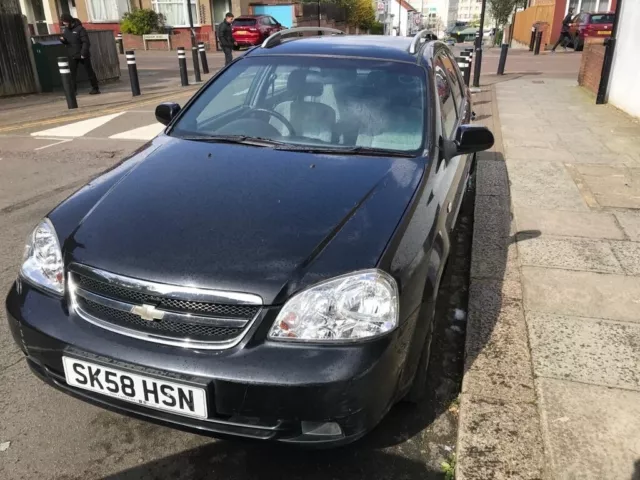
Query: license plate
241	32
141	389
604	32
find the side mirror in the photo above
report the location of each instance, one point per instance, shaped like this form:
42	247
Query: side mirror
165	112
472	139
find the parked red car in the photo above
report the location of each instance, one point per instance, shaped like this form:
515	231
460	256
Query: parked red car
590	25
249	30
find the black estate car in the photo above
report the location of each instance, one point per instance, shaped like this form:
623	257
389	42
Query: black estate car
267	266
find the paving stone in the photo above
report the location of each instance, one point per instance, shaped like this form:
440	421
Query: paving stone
605	158
590	432
585	350
538	154
630	222
628	254
498	440
572	224
583	294
543	184
570	253
491	256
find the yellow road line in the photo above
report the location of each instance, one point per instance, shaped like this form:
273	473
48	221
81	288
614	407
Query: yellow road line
93	113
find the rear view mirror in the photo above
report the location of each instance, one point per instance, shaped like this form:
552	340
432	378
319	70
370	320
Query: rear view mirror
165	112
472	139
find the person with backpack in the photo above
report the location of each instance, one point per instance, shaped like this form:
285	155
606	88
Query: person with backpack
226	38
76	39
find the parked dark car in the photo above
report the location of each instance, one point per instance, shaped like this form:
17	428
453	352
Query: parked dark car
267	267
587	25
249	30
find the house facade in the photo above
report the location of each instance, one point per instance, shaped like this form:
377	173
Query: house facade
43	16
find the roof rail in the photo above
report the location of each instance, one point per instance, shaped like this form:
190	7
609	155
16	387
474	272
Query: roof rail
276	38
421	37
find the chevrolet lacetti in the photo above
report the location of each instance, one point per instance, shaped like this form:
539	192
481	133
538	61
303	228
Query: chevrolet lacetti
267	267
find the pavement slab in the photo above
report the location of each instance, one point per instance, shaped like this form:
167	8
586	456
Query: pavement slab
630	223
585	350
571	224
590	432
583	294
628	254
570	253
543	184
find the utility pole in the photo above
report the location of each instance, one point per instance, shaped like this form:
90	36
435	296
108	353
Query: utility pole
399	16
478	56
318	12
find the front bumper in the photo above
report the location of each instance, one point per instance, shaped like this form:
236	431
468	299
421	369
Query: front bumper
258	389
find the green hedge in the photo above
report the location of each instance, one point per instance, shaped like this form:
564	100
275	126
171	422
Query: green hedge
141	22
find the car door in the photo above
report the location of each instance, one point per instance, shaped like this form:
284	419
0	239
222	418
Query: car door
455	111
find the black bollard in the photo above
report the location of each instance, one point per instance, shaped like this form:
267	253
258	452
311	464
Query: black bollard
196	64
203	58
536	49
468	56
182	61
65	74
503	58
533	39
120	43
465	67
133	73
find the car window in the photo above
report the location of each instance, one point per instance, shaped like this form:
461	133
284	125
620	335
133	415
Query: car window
264	21
447	103
331	101
601	19
273	21
231	96
244	22
456	85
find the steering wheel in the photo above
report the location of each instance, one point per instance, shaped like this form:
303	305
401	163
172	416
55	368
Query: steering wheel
276	115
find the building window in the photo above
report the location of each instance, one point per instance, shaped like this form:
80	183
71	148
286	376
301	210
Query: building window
107	10
175	12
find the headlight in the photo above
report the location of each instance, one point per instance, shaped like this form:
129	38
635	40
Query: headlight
359	305
42	261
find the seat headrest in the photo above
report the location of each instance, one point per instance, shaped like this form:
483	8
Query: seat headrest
299	86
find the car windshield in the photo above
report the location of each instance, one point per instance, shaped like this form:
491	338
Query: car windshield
319	102
602	19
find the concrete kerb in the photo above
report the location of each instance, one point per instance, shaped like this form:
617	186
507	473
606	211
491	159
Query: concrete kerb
499	433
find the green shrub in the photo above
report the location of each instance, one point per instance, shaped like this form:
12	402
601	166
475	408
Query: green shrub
377	28
141	22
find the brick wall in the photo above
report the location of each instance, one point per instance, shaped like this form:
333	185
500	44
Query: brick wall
591	65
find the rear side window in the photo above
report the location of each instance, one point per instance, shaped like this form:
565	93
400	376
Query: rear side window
601	19
244	22
264	21
445	93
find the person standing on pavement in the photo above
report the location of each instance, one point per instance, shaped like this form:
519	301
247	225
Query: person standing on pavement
226	38
76	38
565	38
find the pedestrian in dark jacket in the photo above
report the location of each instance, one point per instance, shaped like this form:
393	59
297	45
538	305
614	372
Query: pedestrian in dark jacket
565	38
76	38
226	38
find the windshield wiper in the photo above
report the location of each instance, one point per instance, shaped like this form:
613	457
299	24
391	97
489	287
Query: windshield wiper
371	151
240	139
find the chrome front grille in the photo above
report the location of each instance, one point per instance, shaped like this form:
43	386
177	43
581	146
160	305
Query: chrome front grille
174	315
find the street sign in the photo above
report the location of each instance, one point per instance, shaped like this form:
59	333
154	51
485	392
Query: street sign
380	7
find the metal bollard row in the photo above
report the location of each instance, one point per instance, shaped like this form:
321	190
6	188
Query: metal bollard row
533	39
182	62
133	73
67	84
203	57
467	55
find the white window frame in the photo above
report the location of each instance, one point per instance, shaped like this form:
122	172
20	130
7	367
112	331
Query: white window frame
111	20
196	20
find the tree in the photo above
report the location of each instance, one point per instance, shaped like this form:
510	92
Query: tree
361	14
501	10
